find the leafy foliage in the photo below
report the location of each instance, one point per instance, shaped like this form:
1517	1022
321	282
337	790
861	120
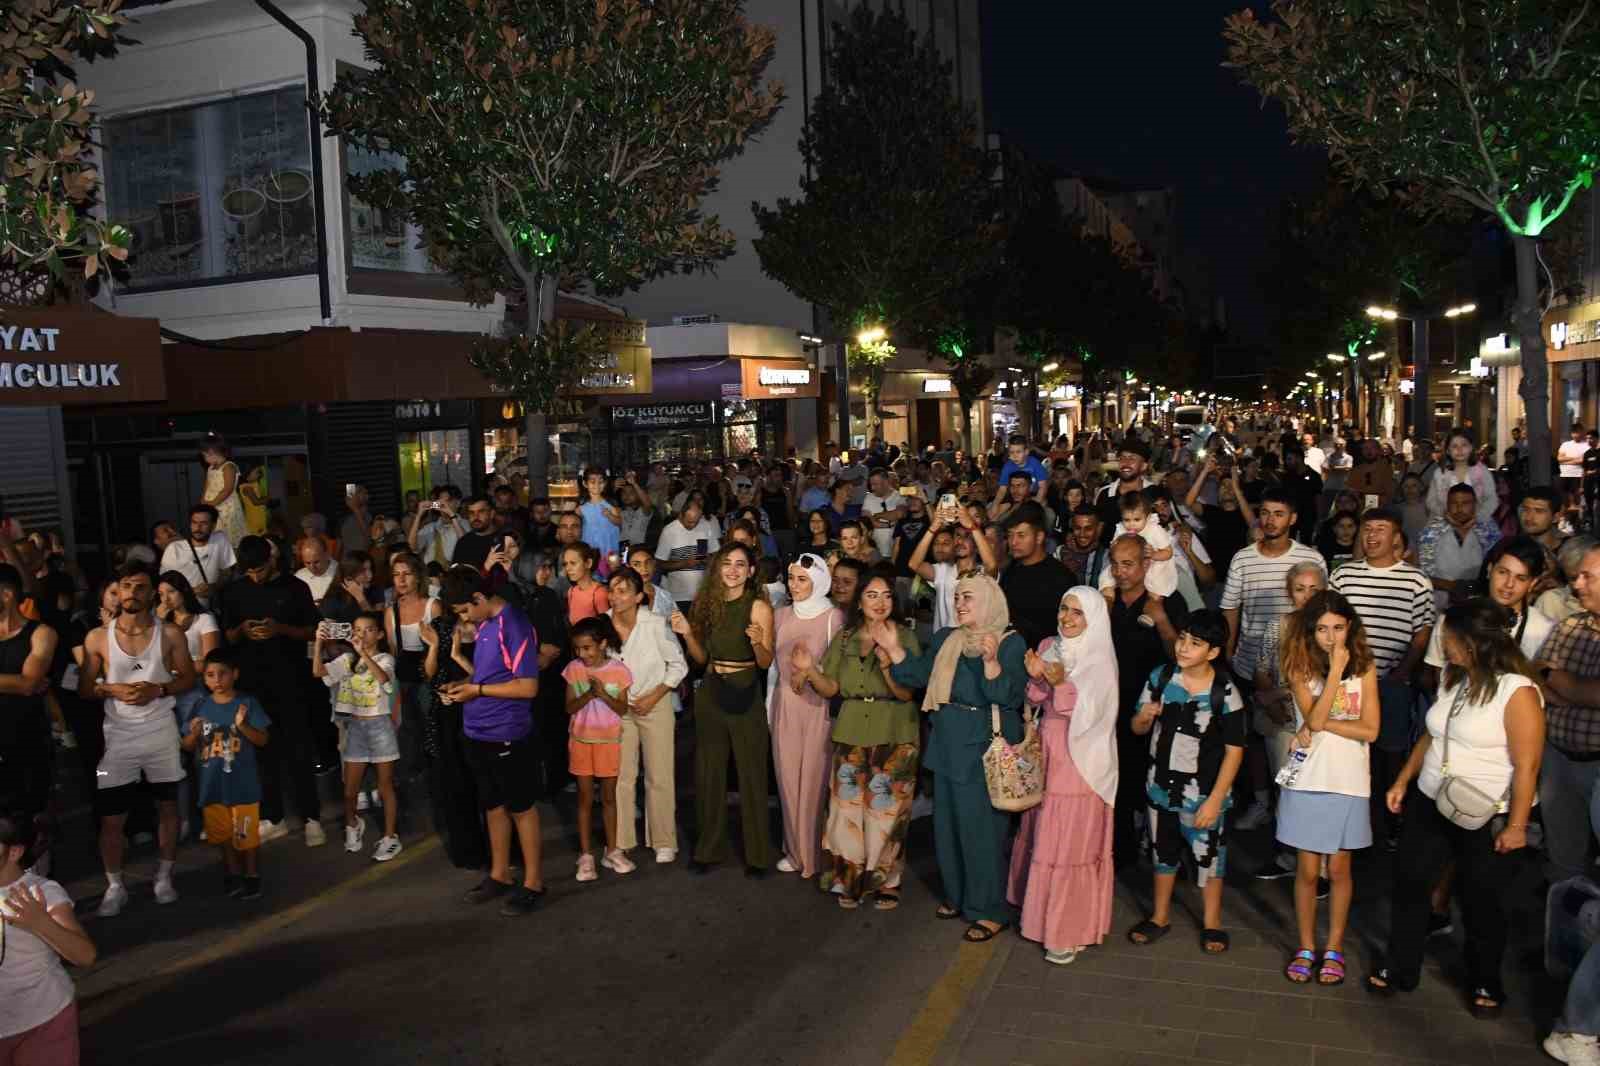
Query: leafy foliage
539	367
48	181
897	212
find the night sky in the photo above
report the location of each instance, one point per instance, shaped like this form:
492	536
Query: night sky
1136	93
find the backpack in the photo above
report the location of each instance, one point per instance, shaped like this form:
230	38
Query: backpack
1219	683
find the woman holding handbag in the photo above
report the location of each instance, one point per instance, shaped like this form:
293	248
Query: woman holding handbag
875	750
974	677
1061	870
1468	790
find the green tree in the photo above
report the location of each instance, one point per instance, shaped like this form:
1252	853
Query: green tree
48	180
554	143
1490	105
897	213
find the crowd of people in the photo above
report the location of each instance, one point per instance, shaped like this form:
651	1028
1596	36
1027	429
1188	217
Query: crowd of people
1356	642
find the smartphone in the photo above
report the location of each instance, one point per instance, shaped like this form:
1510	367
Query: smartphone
948	501
334	630
625	550
702	547
350	489
505	545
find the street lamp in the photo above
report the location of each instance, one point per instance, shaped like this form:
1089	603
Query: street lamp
1388	314
871	335
1376	357
1420	416
1335	357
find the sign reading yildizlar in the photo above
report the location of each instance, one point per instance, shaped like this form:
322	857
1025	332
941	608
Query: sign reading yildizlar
51	356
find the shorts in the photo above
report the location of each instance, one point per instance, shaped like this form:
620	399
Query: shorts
238	824
368	739
1324	822
1173	835
152	751
594	759
1571	484
506	773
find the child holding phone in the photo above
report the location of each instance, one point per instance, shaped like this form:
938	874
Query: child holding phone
368	714
597	697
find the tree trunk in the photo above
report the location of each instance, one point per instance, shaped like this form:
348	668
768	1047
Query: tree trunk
541	297
966	422
1535	387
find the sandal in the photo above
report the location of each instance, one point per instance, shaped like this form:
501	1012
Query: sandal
947	913
978	933
1381	983
1214	941
1332	967
1148	932
1298	972
1491	1009
886	899
848	903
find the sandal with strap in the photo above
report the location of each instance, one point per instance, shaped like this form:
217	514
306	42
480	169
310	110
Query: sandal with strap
1381	983
947	913
1298	972
1148	932
978	933
1214	941
1491	1009
1332	967
886	899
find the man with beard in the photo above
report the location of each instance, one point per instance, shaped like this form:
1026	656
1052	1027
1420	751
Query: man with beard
1083	553
205	557
1132	460
473	547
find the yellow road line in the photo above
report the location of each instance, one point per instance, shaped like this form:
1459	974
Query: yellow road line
920	1042
99	1007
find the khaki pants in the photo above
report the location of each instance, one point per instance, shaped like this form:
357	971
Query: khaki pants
651	737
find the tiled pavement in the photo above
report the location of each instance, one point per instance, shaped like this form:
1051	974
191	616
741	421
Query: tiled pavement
1171	1004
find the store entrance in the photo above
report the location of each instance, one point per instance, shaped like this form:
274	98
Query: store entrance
173	482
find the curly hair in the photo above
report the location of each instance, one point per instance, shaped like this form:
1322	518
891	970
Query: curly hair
711	602
1302	658
1484	628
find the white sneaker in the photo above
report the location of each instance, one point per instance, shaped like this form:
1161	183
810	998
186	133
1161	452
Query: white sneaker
1573	1048
315	837
363	801
387	849
1257	816
586	870
165	893
112	902
271	830
618	861
666	855
1062	958
375	798
785	866
353	835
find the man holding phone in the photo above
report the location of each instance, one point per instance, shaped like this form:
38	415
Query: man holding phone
473	547
269	619
686	542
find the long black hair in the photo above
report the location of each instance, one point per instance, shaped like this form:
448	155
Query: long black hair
191	602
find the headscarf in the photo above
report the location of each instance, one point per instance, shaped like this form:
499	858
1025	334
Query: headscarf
993	619
821	582
1092	735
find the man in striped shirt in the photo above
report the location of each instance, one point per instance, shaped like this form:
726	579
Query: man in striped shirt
1255	594
1395	602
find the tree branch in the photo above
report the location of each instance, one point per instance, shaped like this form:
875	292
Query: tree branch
1549	65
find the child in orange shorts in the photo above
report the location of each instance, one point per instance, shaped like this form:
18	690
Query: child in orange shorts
597	697
224	730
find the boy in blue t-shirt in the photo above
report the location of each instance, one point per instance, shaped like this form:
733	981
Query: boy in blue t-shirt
1197	737
1020	460
224	731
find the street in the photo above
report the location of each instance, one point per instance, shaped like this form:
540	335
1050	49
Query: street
351	962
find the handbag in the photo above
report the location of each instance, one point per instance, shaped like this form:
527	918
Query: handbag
1014	773
1460	801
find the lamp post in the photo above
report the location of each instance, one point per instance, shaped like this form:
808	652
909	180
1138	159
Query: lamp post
1421	415
870	335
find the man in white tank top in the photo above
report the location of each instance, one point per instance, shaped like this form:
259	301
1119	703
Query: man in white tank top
138	666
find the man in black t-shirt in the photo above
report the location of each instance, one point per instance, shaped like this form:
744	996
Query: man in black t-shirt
1304	486
1591	478
473	547
1034	583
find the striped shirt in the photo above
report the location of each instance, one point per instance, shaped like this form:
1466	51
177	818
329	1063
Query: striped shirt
1395	604
1256	588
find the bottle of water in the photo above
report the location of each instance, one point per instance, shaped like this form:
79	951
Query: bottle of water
1291	769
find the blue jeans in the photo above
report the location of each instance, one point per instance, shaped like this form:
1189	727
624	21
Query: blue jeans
1581	1013
1570	807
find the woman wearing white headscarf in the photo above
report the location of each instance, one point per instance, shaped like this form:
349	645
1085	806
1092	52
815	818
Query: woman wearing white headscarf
969	669
1061	871
799	714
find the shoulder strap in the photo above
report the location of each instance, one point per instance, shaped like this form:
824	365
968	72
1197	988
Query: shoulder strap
1166	679
1219	691
505	656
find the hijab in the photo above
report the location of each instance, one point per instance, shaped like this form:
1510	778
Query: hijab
993	619
1092	671
821	583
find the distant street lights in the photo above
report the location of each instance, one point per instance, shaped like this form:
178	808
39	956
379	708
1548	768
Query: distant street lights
1421	416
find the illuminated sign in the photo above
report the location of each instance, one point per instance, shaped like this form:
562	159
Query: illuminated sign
779	376
939	385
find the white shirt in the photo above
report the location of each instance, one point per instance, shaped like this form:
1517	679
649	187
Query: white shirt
1335	764
1537	629
1161	576
440	531
1479	750
876	505
654	657
199	626
201	564
1570	456
360	695
679	543
944	595
1316	459
1454	559
34	985
1395	603
319	584
1255	587
127	720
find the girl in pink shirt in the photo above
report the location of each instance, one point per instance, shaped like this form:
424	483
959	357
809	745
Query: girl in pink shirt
597	697
587	597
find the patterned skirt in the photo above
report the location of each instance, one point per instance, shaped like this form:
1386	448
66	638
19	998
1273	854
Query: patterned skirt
869	814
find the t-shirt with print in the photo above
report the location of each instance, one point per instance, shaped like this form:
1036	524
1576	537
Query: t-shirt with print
1188	741
359	693
34	985
677	543
224	758
595	722
507	649
908	531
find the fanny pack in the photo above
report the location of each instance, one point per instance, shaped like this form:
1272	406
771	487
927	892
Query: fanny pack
1459	800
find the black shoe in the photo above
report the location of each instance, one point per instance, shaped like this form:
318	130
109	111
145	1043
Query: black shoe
251	889
521	901
1324	887
1440	924
698	868
232	886
486	890
755	873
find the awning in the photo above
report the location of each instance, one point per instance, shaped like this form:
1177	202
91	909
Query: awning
73	357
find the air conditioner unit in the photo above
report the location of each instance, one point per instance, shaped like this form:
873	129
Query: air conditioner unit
695	320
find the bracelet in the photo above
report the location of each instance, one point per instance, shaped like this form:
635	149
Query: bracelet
480	691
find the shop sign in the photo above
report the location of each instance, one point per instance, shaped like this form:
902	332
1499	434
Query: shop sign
75	357
663	416
937	385
776	379
625	370
1565	333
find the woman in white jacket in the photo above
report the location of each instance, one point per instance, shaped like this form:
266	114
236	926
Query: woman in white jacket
1461	467
1061	870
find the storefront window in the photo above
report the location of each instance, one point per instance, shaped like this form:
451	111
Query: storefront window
214	191
433	457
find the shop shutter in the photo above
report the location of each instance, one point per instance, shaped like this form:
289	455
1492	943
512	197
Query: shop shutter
361	447
33	475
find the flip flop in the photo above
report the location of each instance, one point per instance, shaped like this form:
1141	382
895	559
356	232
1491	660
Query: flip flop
1332	966
1298	972
977	934
1217	937
886	899
1485	1010
946	913
1147	932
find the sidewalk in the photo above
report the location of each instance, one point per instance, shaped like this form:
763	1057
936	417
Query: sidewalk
1170	1003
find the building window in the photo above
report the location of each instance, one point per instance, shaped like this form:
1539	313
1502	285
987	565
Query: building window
379	239
214	192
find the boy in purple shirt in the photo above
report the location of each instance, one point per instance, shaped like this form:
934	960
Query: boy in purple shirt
497	718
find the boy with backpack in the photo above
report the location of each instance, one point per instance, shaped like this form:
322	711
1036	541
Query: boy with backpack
1193	713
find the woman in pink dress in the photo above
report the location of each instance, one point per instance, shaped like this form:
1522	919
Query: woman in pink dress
1061	873
801	749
